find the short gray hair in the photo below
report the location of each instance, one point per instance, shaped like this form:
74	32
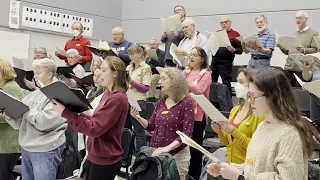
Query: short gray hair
118	29
97	59
73	51
43	49
46	64
303	13
263	17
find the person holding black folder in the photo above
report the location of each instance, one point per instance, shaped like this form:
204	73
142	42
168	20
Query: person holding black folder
72	57
9	146
104	128
41	129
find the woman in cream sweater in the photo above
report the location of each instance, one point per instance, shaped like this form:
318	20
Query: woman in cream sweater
279	148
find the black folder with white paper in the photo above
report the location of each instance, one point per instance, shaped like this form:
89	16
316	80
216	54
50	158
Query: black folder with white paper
12	107
66	71
88	80
72	98
24	70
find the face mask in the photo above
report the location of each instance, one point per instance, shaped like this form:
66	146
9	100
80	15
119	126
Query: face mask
76	33
241	91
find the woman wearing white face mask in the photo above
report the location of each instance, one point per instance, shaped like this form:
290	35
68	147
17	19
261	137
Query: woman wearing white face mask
237	133
79	43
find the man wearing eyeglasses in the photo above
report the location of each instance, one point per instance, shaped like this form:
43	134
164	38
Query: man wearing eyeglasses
120	45
307	45
193	38
222	61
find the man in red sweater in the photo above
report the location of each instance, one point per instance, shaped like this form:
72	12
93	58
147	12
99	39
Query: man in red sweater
222	61
79	43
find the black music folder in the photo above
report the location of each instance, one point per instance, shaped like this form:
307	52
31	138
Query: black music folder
66	71
101	53
72	98
12	107
21	75
86	80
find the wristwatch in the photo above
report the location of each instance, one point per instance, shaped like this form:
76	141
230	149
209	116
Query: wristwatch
241	177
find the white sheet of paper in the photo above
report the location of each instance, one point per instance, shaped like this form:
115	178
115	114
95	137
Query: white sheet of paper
214	114
61	51
25	64
178	58
313	87
159	69
132	100
172	23
288	42
188	141
152	53
217	40
103	45
60	63
298	79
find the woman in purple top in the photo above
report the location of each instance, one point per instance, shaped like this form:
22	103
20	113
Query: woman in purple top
173	112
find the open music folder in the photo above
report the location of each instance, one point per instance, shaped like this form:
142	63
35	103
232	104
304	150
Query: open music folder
172	23
12	107
289	42
213	113
218	39
178	58
250	39
188	141
152	53
103	50
86	80
24	70
313	86
66	71
61	51
72	98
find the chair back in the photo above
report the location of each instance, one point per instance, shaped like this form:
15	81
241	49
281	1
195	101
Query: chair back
303	99
235	70
127	144
149	109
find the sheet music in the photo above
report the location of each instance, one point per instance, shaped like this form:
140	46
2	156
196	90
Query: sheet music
250	39
152	53
24	64
217	40
172	23
313	87
178	58
298	79
188	141
61	51
132	100
159	69
288	42
103	45
60	63
214	114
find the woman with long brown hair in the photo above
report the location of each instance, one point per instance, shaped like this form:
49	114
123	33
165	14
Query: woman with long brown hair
279	148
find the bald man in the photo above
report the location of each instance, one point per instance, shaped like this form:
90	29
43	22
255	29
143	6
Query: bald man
120	45
307	45
193	38
222	61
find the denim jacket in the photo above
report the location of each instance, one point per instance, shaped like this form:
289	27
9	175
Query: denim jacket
166	165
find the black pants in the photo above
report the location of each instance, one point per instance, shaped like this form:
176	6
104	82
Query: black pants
103	172
169	63
196	156
224	69
7	162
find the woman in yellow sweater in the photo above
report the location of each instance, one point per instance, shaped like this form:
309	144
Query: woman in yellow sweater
237	133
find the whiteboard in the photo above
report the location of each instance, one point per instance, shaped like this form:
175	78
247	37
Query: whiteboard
13	44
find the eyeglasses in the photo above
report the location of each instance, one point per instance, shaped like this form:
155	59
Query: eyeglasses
253	98
224	22
193	54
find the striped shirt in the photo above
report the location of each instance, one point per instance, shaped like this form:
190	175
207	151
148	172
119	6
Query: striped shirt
268	40
316	75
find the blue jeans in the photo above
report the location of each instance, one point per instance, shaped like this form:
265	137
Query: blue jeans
41	165
139	131
258	63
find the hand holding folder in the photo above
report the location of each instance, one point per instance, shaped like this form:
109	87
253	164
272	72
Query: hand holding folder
72	98
11	106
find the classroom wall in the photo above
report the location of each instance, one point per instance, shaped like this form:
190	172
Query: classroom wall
106	14
144	15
